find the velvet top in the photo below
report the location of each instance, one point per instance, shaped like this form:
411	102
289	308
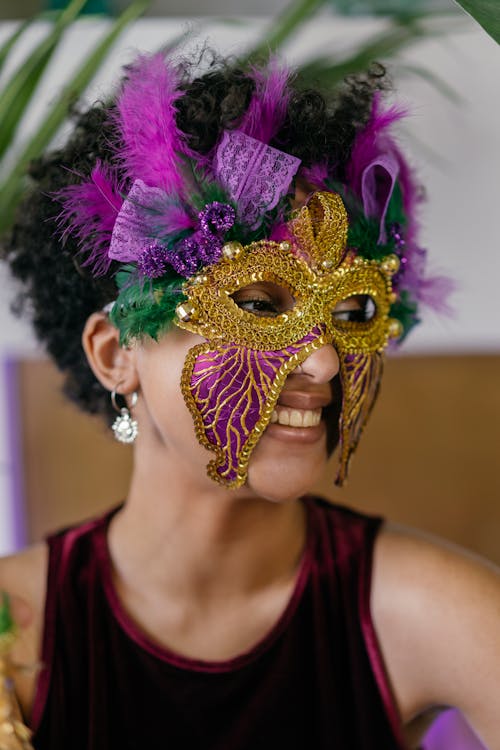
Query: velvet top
316	680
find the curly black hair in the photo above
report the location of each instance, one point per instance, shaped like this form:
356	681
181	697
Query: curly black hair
58	293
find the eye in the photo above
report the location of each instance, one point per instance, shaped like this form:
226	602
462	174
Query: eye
259	306
357	309
264	299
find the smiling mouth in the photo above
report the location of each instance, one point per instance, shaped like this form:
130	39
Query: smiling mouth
289	417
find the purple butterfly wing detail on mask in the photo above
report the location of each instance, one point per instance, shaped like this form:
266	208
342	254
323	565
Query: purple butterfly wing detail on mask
231	389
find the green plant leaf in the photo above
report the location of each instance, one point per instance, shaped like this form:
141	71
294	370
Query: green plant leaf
12	39
283	27
428	75
19	31
325	72
19	89
486	13
12	188
393	8
168	48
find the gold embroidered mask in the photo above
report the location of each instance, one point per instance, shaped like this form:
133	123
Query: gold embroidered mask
232	381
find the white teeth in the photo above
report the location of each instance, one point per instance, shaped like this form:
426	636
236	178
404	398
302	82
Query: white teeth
284	416
296	417
308	419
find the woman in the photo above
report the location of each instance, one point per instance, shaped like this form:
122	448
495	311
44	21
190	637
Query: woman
234	254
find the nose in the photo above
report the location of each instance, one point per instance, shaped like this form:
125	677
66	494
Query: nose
322	365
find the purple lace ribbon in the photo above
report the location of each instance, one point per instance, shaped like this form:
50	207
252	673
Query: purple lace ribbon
254	174
134	225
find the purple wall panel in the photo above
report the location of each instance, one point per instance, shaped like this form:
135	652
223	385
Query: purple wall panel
14	455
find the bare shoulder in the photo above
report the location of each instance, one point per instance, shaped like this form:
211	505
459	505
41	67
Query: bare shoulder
23	576
436	610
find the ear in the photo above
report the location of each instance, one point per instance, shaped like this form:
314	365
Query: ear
112	364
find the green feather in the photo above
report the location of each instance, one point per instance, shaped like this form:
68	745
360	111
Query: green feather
206	190
363	235
208	193
145	307
395	210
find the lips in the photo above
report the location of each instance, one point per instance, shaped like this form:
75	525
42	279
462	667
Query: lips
310	400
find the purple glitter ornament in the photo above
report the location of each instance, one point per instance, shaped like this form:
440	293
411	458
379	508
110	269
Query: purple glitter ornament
396	232
210	250
184	259
194	252
152	261
203	247
216	218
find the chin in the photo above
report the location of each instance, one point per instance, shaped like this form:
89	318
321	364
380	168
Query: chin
277	489
283	474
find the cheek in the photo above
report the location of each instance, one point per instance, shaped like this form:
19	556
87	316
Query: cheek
160	368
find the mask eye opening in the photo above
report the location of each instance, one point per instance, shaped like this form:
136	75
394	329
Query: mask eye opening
268	298
356	310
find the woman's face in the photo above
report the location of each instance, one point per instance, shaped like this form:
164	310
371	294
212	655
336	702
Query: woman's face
291	453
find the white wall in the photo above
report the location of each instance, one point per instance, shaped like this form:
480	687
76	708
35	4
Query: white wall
456	146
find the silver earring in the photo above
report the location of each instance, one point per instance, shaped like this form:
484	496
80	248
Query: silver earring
124	427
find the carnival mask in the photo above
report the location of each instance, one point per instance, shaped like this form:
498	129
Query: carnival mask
232	382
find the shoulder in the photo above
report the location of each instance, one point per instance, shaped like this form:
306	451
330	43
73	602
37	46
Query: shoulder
436	609
23	576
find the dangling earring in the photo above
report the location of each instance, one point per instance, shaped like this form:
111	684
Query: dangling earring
124	427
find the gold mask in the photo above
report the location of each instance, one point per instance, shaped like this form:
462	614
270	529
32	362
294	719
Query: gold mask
232	382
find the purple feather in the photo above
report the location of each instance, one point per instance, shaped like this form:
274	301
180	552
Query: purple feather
173	219
375	141
89	211
316	175
268	106
146	118
281	232
435	292
432	291
372	142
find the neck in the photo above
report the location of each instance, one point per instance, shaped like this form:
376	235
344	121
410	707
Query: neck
183	537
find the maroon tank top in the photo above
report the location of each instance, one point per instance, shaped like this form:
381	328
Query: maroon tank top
316	680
